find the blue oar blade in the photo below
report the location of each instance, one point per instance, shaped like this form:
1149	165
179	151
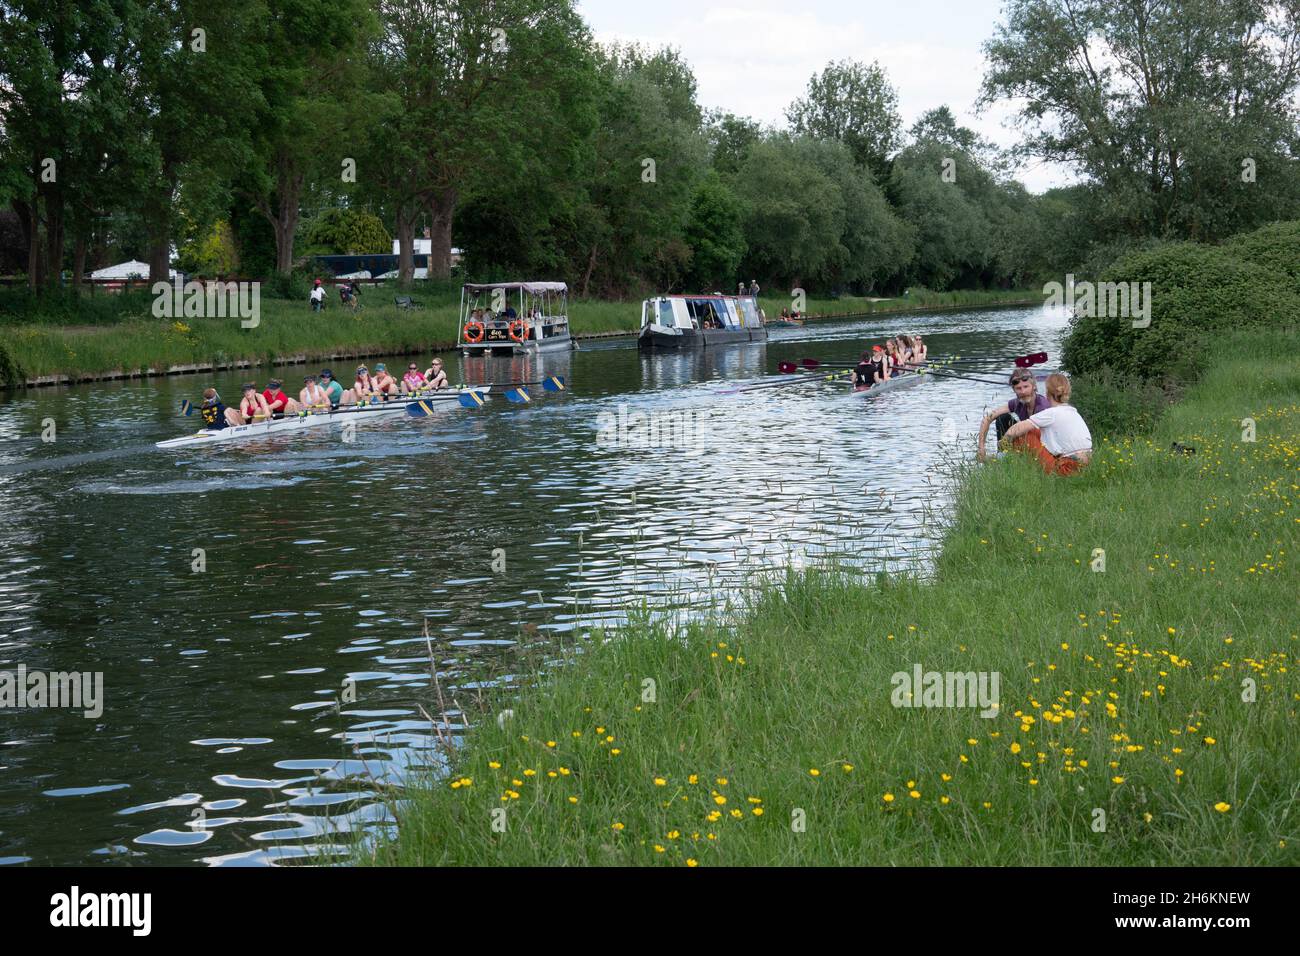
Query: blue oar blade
419	409
471	399
187	408
519	396
554	384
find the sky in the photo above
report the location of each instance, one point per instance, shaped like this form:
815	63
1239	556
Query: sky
754	57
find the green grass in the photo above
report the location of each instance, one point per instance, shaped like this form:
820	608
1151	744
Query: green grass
119	334
1196	602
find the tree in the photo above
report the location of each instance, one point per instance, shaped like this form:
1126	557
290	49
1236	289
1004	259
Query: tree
714	235
1182	114
855	104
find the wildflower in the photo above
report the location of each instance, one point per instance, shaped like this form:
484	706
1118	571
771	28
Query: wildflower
673	834
573	799
914	794
1015	748
1223	807
615	752
1210	741
1147	817
617	826
757	811
565	771
494	765
693	779
888	798
847	768
736	814
1117	780
660	781
722	781
694	862
719	799
550	743
577	733
945	777
815	772
659	849
530	772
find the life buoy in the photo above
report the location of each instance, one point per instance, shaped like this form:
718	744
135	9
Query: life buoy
474	332
522	335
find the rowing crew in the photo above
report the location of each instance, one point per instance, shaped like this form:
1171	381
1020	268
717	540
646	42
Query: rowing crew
322	393
882	363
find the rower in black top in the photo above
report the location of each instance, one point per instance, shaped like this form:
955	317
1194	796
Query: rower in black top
864	374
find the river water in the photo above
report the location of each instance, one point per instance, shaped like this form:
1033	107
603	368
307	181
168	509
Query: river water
258	612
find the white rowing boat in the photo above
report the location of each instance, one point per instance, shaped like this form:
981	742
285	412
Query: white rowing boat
315	419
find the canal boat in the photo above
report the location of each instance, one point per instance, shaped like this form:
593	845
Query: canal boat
315	419
514	318
700	321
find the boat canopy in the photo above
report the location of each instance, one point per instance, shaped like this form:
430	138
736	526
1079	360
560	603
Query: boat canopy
532	288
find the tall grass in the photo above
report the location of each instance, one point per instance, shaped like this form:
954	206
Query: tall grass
1147	711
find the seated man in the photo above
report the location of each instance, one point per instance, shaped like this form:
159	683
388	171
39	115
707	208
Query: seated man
1026	403
1058	435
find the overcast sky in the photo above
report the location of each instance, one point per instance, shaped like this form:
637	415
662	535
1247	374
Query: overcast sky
753	57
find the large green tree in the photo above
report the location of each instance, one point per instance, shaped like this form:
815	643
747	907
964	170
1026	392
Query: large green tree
1183	114
854	103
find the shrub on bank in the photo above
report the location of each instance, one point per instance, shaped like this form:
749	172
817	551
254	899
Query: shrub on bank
1275	247
1197	294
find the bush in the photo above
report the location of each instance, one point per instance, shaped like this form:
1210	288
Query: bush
1114	406
1275	247
65	306
1198	294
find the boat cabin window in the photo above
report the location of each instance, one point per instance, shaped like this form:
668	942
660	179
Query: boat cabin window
666	313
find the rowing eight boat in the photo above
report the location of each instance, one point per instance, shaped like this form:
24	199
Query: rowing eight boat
315	419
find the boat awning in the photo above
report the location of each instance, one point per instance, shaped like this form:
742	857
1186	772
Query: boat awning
532	288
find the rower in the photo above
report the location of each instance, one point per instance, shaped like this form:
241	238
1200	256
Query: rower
363	389
1058	436
279	403
1019	409
335	394
919	351
313	397
253	407
883	366
864	374
413	381
385	384
215	414
435	378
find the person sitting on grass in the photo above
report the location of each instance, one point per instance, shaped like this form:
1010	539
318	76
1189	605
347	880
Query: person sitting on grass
1058	435
1026	403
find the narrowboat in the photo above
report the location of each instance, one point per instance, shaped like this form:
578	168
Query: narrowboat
700	321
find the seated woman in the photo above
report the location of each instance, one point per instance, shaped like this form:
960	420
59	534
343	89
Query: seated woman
363	389
435	378
1058	436
413	381
385	384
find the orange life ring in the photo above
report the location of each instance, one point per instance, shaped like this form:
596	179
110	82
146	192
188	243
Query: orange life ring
474	332
523	330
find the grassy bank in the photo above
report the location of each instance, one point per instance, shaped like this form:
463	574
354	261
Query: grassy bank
1148	712
123	336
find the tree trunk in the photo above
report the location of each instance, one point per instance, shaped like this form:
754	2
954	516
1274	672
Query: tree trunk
405	243
78	260
290	189
54	238
591	267
442	210
29	218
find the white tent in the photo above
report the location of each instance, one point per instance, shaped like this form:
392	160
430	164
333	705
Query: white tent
128	270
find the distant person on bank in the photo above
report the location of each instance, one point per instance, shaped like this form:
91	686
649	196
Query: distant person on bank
318	297
1058	436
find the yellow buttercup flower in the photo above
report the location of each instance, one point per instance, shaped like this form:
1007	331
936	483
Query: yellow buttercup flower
888	798
1223	807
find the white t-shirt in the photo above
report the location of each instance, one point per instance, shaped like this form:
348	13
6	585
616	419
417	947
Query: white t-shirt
317	294
1063	430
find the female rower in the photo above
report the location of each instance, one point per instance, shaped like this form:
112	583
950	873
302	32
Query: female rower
435	377
413	381
1058	436
892	356
919	352
253	407
313	397
385	384
363	389
882	369
865	373
279	403
334	390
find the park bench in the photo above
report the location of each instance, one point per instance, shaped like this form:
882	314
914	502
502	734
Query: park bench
406	302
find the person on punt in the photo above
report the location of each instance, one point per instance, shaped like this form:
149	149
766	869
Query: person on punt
335	394
1019	409
434	376
1058	436
385	384
253	407
279	403
413	381
313	397
215	414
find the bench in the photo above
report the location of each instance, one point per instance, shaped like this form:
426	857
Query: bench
406	302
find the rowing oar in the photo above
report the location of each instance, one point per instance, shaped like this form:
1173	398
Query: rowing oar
758	386
1021	361
423	407
925	370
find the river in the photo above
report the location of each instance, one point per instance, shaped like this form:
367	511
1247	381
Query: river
258	612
